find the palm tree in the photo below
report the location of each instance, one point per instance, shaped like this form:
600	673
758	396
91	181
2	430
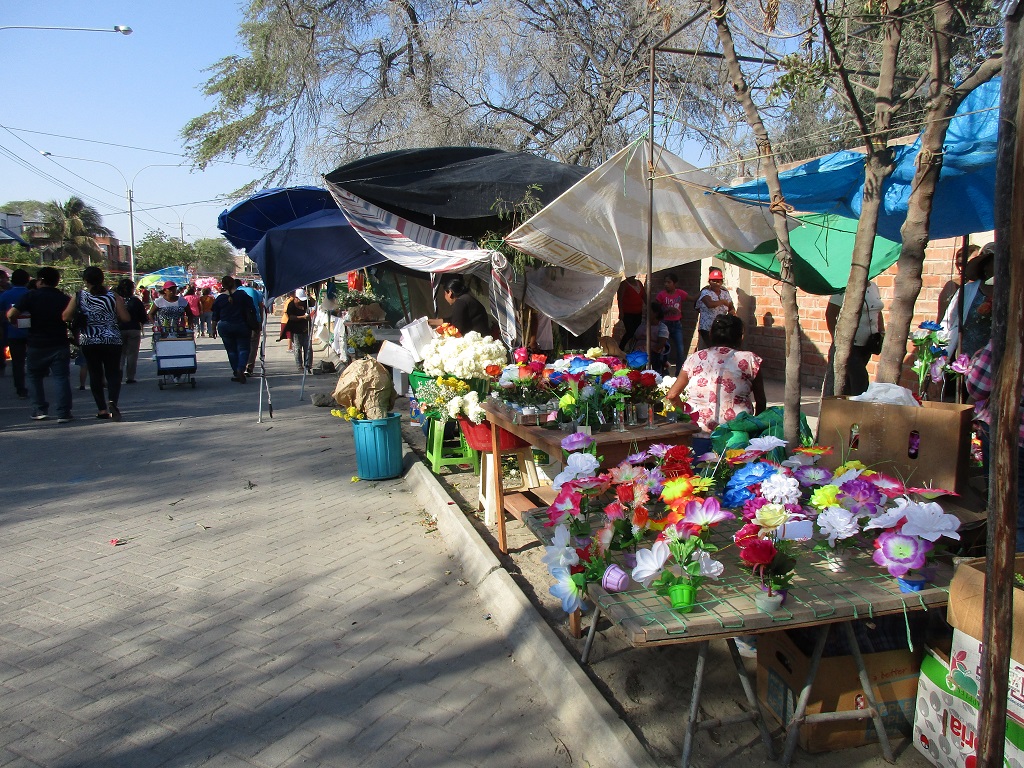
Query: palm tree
71	228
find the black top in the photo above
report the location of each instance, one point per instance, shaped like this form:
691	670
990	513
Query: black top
230	308
45	305
468	314
294	310
137	310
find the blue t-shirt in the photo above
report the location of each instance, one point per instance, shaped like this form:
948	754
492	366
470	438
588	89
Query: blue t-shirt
257	299
7	300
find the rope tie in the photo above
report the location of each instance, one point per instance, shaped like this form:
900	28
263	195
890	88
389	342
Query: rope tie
779	205
926	157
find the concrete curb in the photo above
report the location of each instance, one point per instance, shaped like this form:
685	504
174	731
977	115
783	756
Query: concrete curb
605	739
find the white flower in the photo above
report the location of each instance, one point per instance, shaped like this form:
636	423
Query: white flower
650	562
765	444
850	474
889	518
928	521
587	391
919	335
942	337
595	352
561	364
598	369
837	523
566	590
781	489
799	460
579	465
709	567
560	554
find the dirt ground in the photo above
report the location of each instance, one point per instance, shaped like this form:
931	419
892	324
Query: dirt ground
649	687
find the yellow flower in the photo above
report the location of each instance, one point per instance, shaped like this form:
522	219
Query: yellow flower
355	478
824	496
702	484
771	516
680	488
851	464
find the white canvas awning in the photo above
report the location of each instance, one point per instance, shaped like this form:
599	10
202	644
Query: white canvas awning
599	225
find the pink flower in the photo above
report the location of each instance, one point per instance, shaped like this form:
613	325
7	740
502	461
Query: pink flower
706	514
899	553
566	505
521	355
757	552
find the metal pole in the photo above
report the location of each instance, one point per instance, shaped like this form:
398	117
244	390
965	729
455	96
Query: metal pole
650	208
131	228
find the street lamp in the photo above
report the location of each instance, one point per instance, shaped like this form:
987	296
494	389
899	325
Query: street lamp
128	190
119	28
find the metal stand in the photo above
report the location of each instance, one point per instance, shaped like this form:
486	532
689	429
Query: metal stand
800	715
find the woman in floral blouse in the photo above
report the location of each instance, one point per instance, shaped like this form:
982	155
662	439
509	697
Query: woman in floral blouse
720	382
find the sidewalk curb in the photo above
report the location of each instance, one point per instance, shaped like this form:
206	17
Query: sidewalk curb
605	739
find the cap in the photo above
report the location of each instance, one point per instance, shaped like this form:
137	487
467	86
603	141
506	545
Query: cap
170	284
715	274
300	295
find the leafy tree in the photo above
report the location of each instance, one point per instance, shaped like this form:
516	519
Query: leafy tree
158	251
30	210
214	256
71	229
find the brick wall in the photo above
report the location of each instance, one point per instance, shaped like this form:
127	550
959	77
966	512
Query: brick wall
758	302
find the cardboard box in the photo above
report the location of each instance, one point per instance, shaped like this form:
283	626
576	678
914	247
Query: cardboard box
920	446
966	613
946	721
782	669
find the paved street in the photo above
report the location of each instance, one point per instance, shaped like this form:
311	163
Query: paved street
264	609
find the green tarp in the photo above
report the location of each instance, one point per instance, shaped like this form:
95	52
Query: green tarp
822	247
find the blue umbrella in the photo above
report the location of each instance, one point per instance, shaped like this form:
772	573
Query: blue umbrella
176	275
247	222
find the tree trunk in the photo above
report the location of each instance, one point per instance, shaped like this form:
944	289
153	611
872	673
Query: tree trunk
944	102
1007	346
877	167
791	425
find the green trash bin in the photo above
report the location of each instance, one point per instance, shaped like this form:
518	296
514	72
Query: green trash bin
378	447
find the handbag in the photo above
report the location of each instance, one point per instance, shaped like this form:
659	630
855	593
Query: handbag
874	345
252	320
79	322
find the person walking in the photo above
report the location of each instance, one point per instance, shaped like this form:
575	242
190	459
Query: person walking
712	302
631	299
100	339
47	349
284	320
230	312
131	330
671	299
15	335
254	344
298	311
869	323
206	314
192	299
169	310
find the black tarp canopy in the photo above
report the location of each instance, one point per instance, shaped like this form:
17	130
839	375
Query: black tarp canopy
455	190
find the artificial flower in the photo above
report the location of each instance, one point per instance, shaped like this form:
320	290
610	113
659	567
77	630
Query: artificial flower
890	518
757	552
577	441
598	369
566	505
837	524
771	516
814	450
680	488
748	531
594	352
566	589
615	511
860	497
636	359
812	476
709	567
929	521
797	460
704	514
578	465
559	553
890	486
961	365
765	444
899	553
624	473
649	562
781	489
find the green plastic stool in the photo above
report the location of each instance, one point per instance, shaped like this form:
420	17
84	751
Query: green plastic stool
440	455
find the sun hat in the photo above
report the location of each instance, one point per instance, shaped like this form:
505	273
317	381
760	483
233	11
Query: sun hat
715	274
300	295
170	284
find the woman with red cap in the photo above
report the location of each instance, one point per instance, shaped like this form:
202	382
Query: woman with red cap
713	301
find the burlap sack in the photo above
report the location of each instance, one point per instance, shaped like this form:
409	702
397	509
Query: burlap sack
366	385
366	313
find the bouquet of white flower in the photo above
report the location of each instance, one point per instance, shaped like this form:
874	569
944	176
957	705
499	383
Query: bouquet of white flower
465	357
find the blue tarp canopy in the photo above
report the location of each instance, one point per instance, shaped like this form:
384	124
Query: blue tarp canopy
245	223
964	198
176	275
310	249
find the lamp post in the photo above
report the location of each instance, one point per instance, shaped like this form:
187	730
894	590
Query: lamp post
120	28
128	191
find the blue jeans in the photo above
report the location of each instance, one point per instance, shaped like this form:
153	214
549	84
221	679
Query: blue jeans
675	340
236	338
983	434
53	361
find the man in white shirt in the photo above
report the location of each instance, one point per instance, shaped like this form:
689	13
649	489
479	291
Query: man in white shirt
860	354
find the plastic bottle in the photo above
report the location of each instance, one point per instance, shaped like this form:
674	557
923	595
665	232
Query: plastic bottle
414	410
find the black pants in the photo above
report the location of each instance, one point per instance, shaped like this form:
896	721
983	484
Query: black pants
856	371
629	325
17	347
104	363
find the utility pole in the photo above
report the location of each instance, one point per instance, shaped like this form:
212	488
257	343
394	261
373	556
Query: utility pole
131	229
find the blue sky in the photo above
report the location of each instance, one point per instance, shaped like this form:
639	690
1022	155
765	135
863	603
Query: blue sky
134	91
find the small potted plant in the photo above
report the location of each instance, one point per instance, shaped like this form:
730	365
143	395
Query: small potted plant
772	562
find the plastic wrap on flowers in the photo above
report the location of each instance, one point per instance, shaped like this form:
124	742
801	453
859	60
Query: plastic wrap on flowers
478	437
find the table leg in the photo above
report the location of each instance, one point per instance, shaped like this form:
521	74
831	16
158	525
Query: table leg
585	657
698	681
576	624
869	693
498	490
793	726
748	691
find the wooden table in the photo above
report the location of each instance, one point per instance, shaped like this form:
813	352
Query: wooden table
613	447
819	598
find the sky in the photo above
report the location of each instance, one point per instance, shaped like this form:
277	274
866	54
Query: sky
122	100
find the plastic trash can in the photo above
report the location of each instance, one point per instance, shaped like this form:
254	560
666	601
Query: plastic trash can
378	447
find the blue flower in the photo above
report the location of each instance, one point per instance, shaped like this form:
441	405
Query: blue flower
931	325
937	350
752	474
636	359
735	497
578	364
